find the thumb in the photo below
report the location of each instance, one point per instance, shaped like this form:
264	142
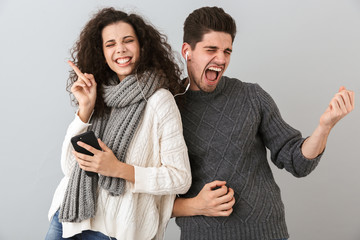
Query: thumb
103	146
342	88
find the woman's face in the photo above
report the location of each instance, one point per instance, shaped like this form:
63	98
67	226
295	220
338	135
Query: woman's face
121	48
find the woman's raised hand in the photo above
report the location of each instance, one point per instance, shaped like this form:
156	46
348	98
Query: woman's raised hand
84	90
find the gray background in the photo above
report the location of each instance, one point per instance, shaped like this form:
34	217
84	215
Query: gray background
300	51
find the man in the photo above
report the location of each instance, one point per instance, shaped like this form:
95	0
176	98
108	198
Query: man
228	124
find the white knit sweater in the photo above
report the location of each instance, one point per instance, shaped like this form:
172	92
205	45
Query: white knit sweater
159	155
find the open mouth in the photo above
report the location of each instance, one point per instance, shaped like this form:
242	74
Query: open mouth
212	73
123	61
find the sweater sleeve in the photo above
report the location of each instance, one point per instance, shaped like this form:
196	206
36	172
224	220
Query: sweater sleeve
283	141
67	158
173	175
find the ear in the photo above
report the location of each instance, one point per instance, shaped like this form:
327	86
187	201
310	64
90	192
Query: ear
186	49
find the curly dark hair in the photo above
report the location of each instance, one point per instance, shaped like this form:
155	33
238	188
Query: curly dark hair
155	53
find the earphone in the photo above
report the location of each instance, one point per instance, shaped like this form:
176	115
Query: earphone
187	87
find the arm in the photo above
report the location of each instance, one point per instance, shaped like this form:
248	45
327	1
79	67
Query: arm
288	149
84	90
104	162
67	158
341	104
172	176
283	141
208	202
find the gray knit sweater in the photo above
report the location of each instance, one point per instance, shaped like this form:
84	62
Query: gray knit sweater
227	133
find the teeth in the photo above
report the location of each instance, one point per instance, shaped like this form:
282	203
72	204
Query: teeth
216	69
122	60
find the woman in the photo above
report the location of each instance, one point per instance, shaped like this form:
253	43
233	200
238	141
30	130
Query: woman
122	79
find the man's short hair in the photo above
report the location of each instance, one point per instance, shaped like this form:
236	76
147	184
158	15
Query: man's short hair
204	20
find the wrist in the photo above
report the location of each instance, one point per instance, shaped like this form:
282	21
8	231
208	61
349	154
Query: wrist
126	171
184	207
323	129
194	206
85	113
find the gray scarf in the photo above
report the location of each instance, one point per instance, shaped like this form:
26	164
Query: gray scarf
116	130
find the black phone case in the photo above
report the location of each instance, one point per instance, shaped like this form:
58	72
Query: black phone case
88	138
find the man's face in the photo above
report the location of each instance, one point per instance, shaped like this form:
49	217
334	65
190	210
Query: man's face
208	60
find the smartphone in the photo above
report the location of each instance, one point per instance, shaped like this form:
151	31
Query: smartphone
88	138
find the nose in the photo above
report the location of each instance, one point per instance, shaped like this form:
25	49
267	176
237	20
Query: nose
121	48
220	58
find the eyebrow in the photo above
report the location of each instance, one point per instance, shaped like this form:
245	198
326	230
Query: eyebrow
113	40
216	48
128	36
109	41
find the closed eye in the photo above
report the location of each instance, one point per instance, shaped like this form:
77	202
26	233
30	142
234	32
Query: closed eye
128	39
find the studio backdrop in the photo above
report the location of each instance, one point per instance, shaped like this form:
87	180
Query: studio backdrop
300	52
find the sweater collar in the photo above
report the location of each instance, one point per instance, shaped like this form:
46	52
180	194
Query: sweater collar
203	94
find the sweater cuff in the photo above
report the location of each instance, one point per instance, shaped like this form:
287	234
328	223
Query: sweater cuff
317	158
76	127
140	180
303	165
77	116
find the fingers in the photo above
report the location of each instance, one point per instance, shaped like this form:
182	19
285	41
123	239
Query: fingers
226	213
216	188
84	161
224	204
342	88
340	102
214	184
103	146
82	157
348	103
219	192
348	97
226	208
216	199
344	100
226	198
88	147
352	98
79	84
91	78
86	78
84	164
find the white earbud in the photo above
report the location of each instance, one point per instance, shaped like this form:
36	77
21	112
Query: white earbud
188	85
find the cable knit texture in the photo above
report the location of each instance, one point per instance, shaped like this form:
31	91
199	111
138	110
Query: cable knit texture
227	132
116	130
159	155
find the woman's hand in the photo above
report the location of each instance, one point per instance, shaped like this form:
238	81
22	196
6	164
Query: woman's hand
84	90
104	162
214	200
